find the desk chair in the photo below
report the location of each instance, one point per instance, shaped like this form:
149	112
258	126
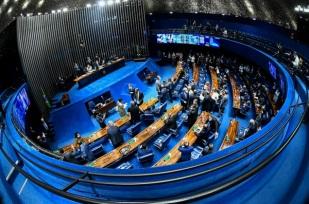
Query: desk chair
134	129
197	153
162	141
160	110
145	155
126	165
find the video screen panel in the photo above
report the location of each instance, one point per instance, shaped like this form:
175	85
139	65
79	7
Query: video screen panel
189	39
21	105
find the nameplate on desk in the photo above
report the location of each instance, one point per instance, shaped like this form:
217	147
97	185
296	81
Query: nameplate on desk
125	150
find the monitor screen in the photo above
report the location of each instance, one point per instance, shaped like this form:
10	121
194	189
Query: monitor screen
189	39
21	105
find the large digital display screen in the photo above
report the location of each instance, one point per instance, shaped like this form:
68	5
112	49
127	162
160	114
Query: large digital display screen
272	70
189	39
21	105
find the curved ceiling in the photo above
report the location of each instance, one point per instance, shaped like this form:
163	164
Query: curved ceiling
280	12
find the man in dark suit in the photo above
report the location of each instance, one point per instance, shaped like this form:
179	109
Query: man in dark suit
139	97
193	113
114	134
134	112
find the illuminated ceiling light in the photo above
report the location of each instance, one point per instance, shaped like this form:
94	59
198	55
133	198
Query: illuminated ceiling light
125	0
25	5
88	5
10	10
110	2
53	11
64	9
249	7
101	3
117	1
40	3
5	2
171	12
39	13
59	11
196	12
29	14
150	14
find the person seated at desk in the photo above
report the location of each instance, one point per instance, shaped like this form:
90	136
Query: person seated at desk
88	61
89	68
114	134
78	140
78	70
213	126
96	64
42	140
134	112
139	97
121	108
170	122
185	151
250	130
143	150
101	119
61	83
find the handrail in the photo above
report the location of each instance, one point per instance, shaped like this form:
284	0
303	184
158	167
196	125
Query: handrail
169	180
215	190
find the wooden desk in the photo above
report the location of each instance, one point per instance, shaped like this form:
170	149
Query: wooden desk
173	156
103	132
130	146
148	104
178	73
214	79
236	93
90	77
196	73
106	107
230	135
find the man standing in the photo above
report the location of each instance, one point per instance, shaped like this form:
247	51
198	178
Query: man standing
114	134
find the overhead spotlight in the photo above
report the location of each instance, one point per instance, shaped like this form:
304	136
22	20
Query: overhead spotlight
254	19
150	14
117	1
25	5
171	12
101	3
10	10
196	12
40	3
53	11
64	9
110	2
29	14
59	11
88	5
39	13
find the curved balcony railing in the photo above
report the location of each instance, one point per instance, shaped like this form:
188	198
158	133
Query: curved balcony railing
212	173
